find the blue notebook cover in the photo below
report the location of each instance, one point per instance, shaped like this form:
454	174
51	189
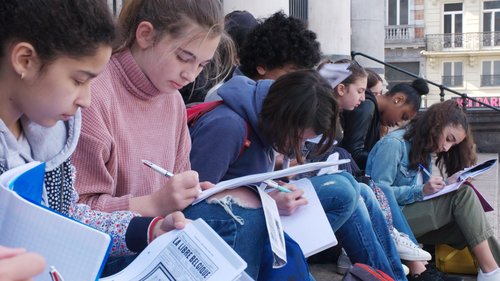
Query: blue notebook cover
29	184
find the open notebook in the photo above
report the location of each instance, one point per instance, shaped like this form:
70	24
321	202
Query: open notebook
462	179
257	178
308	225
76	250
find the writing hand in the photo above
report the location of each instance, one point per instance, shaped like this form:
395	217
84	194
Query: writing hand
434	185
178	193
288	203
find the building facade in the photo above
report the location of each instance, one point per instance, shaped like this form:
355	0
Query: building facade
341	26
404	39
463	48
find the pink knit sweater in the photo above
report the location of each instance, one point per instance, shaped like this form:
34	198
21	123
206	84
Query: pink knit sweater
129	120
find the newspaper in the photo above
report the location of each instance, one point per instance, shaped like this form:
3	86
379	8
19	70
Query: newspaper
194	253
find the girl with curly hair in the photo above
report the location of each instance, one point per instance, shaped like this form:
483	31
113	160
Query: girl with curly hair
455	218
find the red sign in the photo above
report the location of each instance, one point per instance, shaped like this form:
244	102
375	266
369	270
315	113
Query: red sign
492	101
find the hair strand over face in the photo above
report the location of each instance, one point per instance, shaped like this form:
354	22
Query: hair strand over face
298	101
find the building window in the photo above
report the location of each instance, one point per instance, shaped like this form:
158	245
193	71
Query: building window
298	9
397	12
490	74
453	74
491	23
453	20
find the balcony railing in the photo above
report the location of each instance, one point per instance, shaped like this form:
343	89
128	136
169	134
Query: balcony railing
399	32
442	88
490	80
453	81
463	41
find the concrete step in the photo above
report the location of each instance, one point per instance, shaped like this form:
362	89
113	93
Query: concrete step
486	183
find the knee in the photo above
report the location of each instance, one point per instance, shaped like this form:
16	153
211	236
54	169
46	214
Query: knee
465	196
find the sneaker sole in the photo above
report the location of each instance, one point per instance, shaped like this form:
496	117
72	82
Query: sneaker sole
410	258
341	270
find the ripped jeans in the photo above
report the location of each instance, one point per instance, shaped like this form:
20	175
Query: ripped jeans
244	230
363	232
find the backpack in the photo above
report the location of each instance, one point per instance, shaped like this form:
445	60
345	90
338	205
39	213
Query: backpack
194	113
296	267
364	272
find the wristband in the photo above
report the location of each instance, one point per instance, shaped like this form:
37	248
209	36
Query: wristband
152	227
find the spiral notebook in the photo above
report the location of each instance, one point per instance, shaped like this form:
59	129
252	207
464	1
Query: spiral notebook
76	250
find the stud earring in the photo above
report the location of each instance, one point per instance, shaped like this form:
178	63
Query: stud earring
22	75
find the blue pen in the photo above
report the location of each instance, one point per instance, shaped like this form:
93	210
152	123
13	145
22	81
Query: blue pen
274	184
424	170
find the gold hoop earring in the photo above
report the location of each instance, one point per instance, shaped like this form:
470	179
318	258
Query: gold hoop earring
22	75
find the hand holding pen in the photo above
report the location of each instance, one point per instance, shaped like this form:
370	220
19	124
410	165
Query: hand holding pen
178	192
288	198
434	184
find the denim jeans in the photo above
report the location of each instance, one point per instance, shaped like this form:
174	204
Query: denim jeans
381	230
116	264
246	238
398	218
338	194
363	232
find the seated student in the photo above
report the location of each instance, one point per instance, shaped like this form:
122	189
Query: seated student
455	218
298	106
276	46
348	94
137	113
45	73
18	265
401	103
375	83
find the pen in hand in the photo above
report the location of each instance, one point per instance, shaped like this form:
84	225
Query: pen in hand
158	168
424	170
274	184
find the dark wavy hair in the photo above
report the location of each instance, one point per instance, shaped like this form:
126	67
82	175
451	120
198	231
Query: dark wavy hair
373	78
297	101
413	92
425	129
56	28
278	41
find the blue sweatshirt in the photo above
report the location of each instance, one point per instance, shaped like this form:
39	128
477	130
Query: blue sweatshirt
218	136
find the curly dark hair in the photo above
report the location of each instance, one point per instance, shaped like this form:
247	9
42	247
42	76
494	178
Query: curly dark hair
425	129
278	41
413	92
56	27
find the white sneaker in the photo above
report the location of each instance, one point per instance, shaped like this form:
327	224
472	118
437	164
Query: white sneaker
343	263
408	250
406	269
490	276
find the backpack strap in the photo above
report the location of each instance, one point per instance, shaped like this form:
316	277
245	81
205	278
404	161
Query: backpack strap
193	113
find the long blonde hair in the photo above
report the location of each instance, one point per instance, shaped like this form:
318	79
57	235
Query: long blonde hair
168	17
